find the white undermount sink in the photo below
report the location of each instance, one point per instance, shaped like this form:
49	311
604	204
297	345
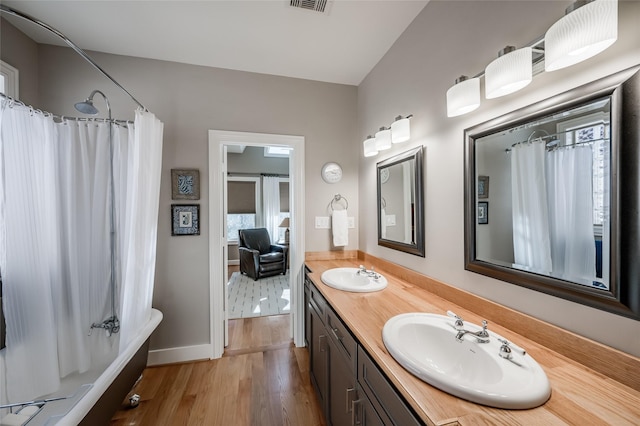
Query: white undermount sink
349	279
426	345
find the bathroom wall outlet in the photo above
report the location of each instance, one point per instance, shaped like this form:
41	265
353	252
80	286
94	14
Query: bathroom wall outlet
351	222
322	222
390	220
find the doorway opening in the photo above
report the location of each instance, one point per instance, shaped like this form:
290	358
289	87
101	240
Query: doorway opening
222	251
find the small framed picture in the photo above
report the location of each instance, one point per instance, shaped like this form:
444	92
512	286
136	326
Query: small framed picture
185	219
483	186
185	184
483	212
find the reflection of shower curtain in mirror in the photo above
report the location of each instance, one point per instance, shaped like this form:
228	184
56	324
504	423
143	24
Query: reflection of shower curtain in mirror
570	198
531	246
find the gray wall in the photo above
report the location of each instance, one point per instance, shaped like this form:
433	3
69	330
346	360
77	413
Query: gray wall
447	39
21	52
190	100
252	160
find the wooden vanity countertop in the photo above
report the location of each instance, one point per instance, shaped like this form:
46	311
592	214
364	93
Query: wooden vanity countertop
579	395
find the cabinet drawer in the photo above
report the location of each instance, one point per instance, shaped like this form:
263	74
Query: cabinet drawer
345	342
382	394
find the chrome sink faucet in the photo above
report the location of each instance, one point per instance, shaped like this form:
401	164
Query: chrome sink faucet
482	336
371	274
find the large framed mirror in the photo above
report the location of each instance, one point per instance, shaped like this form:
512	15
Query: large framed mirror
401	202
552	195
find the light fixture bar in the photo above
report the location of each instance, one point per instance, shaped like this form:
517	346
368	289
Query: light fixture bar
398	132
587	28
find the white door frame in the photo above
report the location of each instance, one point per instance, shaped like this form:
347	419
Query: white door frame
218	139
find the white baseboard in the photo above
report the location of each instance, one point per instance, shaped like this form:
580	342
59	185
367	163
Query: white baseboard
181	354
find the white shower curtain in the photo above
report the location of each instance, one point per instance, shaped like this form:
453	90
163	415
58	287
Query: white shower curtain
28	239
531	243
271	205
570	195
55	241
141	228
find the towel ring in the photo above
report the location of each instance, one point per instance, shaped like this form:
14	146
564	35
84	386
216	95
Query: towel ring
337	200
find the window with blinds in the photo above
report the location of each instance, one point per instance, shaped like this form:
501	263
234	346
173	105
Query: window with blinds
242	209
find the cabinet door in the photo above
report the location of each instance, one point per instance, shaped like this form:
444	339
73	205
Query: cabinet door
342	384
318	354
307	313
366	415
385	399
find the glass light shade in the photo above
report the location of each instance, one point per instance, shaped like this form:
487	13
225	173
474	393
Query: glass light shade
400	130
509	73
370	147
463	97
581	34
383	139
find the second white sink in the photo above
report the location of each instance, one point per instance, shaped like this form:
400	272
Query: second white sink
348	279
426	345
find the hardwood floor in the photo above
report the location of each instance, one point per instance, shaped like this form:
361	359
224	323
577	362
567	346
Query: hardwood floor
262	379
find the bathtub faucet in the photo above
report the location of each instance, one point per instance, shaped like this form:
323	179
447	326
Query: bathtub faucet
111	325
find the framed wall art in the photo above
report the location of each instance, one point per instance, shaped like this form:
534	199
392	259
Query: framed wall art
483	212
483	186
185	184
185	219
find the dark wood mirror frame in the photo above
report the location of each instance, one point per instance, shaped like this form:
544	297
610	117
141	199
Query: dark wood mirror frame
623	297
417	248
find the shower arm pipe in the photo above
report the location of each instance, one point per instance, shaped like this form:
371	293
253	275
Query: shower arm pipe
79	51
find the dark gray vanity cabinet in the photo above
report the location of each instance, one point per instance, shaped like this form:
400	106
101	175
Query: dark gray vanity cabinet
332	353
351	388
388	404
318	346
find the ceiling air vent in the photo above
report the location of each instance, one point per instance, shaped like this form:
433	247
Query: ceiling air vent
314	5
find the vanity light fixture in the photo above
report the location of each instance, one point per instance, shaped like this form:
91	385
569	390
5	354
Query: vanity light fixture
383	138
587	28
398	132
464	96
510	72
401	129
370	149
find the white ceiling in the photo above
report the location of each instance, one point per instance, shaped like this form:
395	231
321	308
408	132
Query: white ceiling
265	36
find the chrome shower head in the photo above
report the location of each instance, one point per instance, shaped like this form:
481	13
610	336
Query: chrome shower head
86	107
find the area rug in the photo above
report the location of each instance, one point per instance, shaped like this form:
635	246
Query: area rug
249	298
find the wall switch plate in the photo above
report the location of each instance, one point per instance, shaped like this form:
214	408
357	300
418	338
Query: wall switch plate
351	222
390	220
322	222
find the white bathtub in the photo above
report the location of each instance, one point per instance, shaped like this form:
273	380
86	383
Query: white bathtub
98	393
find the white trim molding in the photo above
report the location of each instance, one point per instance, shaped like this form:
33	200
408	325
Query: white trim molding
180	354
11	77
218	140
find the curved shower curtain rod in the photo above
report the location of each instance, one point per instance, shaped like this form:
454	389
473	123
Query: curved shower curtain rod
79	51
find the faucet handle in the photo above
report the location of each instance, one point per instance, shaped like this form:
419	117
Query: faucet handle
484	332
459	324
508	347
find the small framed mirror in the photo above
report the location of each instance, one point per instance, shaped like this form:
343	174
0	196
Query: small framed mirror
552	195
401	202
